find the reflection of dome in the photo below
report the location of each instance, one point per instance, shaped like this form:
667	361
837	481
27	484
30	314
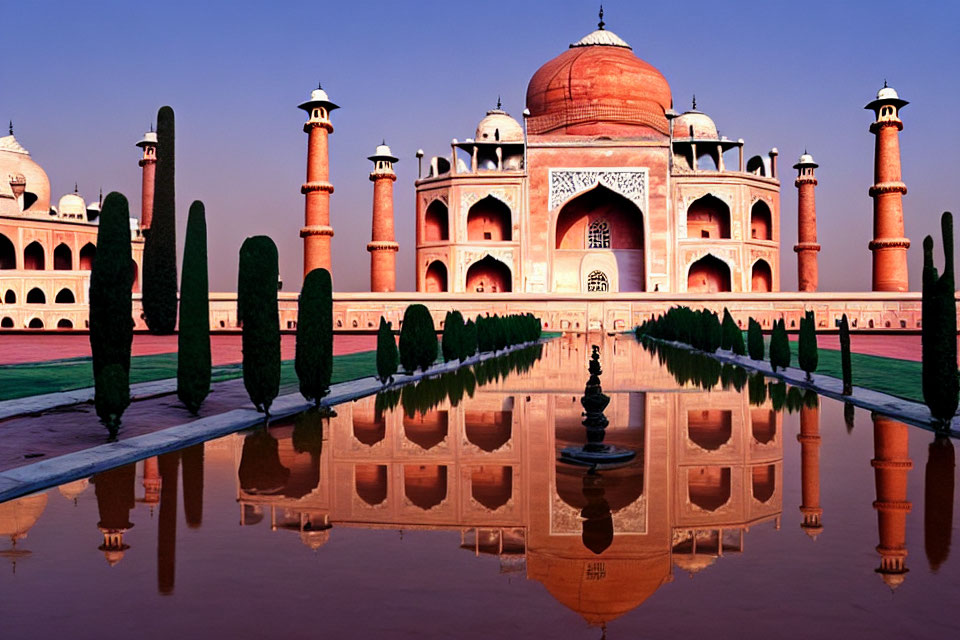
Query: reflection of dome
893	580
315	539
624	585
15	161
693	563
72	490
695	124
598	86
498	126
18	516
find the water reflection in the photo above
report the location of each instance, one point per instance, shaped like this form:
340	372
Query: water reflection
115	498
891	466
938	501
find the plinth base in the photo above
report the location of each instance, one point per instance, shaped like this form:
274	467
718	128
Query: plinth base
608	457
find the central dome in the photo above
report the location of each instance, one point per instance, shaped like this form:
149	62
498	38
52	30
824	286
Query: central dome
598	87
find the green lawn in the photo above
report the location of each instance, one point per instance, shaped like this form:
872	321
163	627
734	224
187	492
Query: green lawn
30	379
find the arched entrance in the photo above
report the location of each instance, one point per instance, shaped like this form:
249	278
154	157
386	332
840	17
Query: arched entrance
435	278
761	278
8	255
36	296
87	253
709	274
489	220
62	258
599	220
33	257
64	296
489	275
761	221
436	222
708	217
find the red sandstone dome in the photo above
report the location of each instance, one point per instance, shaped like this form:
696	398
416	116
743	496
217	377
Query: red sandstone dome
597	87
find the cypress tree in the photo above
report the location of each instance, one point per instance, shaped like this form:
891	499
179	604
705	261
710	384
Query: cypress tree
111	312
845	356
939	334
160	249
755	340
726	338
387	356
418	339
314	358
808	355
779	346
452	341
260	318
193	339
469	340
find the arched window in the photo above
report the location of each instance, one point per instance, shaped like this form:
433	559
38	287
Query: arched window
708	217
10	297
435	278
489	275
597	281
65	296
598	235
63	323
36	296
6	323
62	258
33	257
8	255
36	323
489	219
87	253
761	221
761	277
436	222
708	275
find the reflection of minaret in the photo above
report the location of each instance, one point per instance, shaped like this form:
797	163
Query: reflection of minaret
167	526
809	438
938	501
891	464
597	520
115	490
193	485
151	482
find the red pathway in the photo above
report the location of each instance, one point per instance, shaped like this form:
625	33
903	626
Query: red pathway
37	347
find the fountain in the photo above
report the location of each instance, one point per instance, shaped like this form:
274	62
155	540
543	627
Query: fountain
595	454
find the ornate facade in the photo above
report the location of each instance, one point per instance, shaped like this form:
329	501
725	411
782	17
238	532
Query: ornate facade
605	188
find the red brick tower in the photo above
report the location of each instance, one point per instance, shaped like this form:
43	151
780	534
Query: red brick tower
891	464
806	247
809	438
382	247
149	164
889	246
316	232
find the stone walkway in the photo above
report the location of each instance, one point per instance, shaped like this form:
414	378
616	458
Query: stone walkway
72	440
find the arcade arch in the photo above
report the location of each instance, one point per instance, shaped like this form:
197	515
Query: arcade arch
33	257
489	275
8	254
489	220
709	274
708	217
436	222
761	277
761	221
435	278
62	258
87	253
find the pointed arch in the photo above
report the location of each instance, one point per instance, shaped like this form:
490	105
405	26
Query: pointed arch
761	221
65	296
87	253
425	485
708	487
10	297
370	483
36	296
709	274
764	482
489	219
8	254
709	429
435	278
708	217
488	275
491	485
761	276
436	222
62	257
34	257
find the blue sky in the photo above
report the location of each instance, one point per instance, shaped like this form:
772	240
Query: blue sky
83	81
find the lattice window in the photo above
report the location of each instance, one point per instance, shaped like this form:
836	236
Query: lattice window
598	235
597	281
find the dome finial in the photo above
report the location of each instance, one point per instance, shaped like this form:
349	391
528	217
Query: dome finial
319	85
498	102
694	102
601	23
884	83
75	189
11	127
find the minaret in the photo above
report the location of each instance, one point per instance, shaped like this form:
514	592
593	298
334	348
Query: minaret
889	247
891	464
809	438
149	164
806	247
383	248
316	232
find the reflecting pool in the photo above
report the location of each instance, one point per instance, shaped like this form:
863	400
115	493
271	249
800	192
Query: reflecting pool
441	510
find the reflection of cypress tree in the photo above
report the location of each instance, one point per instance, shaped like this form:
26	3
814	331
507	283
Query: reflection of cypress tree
778	395
811	399
169	464
308	432
261	472
757	389
193	485
938	501
387	400
848	415
794	399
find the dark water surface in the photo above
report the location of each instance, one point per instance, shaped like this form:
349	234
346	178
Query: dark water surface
442	512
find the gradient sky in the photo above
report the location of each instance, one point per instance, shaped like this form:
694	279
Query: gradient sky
83	80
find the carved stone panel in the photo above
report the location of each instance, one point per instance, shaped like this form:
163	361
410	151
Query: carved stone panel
630	183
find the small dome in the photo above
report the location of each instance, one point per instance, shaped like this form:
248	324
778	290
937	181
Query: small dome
318	97
72	206
806	160
887	93
498	126
15	162
695	124
693	563
603	38
149	138
18	516
383	152
72	490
